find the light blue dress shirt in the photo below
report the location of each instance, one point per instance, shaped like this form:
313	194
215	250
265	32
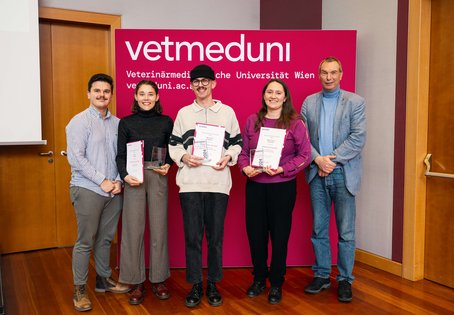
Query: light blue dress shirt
92	148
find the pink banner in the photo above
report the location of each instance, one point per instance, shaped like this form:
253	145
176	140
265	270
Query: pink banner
243	61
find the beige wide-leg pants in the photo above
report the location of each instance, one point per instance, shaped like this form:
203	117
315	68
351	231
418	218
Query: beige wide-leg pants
153	192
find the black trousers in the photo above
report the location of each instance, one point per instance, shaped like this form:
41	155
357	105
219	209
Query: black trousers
269	210
203	212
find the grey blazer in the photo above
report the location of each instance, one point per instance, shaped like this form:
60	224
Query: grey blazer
349	135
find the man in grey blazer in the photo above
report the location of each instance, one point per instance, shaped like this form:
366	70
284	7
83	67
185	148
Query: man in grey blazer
336	122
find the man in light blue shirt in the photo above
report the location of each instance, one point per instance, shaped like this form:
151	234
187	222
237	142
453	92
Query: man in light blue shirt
336	121
95	189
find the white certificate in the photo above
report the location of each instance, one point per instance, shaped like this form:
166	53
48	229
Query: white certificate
208	143
134	159
270	145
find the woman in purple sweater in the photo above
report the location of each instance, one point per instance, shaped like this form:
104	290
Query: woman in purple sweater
271	193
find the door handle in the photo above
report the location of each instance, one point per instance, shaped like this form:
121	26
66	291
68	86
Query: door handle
50	153
428	161
63	152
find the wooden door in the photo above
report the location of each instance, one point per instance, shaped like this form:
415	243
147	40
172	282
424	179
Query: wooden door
439	251
78	52
35	207
27	185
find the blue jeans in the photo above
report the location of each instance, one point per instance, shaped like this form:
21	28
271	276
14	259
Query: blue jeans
326	191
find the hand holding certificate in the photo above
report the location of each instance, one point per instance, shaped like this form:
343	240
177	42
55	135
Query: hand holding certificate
208	143
269	148
134	160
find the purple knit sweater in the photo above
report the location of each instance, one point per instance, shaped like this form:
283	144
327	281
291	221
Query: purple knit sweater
296	154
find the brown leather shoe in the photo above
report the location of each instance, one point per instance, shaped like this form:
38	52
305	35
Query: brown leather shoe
137	294
80	298
161	291
110	285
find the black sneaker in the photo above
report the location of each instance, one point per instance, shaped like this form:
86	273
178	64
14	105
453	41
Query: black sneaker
255	289
317	285
213	295
344	291
194	297
275	295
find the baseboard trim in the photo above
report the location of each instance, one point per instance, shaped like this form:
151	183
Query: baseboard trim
379	262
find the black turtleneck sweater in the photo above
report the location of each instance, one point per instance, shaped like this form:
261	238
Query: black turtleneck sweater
155	129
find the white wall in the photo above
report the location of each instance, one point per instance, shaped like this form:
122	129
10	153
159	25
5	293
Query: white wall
172	14
19	58
376	22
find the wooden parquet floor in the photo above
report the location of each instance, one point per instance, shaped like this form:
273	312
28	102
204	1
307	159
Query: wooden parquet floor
40	282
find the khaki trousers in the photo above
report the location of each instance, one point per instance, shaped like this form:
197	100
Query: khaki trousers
97	220
153	192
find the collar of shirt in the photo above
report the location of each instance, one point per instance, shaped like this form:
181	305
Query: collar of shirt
215	108
96	113
331	94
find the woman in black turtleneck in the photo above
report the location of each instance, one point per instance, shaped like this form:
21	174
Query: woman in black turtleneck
148	124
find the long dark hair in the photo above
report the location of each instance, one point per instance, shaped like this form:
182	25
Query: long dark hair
157	106
288	112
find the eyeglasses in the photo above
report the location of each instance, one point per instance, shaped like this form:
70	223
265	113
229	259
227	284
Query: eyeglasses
204	82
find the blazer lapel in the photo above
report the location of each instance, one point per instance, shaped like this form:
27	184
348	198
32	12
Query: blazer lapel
317	113
338	117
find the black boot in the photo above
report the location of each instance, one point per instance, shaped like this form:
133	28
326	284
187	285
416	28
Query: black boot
275	295
255	289
214	297
194	297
